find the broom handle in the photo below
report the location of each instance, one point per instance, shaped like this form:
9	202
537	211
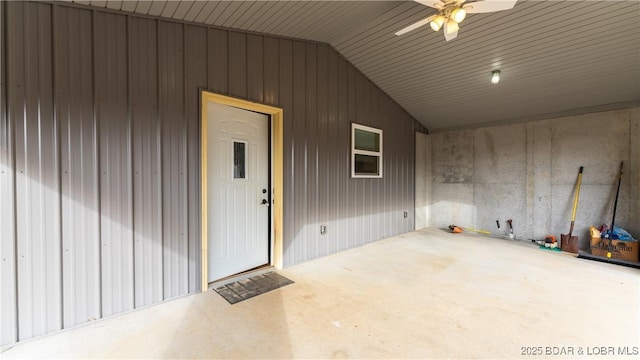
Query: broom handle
609	234
575	201
615	203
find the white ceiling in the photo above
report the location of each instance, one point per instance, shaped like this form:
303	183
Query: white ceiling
556	57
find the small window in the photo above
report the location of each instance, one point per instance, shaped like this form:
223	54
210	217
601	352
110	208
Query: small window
366	152
239	160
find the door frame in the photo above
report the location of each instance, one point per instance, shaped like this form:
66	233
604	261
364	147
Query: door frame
277	145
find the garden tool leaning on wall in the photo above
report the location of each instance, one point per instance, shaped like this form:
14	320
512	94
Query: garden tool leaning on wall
569	242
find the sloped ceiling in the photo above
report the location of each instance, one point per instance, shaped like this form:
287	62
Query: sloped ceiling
556	57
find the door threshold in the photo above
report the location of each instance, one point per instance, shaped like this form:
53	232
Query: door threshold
241	276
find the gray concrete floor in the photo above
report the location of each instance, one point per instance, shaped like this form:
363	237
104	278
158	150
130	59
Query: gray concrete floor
426	294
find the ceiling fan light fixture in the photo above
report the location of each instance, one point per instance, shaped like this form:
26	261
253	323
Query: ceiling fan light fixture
452	27
450	13
495	77
437	22
458	15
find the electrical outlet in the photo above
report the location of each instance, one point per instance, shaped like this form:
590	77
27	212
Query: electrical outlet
406	214
323	229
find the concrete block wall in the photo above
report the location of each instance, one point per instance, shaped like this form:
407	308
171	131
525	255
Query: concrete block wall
528	171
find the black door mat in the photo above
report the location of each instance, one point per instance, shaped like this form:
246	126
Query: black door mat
253	286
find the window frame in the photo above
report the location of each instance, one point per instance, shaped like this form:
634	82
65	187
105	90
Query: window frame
354	151
246	160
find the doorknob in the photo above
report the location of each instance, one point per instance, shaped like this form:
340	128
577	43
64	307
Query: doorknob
264	202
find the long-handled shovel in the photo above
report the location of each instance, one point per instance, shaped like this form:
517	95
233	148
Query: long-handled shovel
569	242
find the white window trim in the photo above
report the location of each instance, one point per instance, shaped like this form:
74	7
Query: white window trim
355	151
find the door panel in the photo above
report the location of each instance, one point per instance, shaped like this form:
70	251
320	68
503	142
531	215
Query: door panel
238	166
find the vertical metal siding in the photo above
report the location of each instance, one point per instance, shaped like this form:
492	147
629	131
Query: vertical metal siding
255	68
390	165
174	159
357	190
389	196
286	91
218	70
331	159
371	196
195	78
8	306
322	149
37	182
299	153
376	217
351	191
112	116
364	194
271	71
103	113
312	228
79	172
237	64
147	175
361	186
342	157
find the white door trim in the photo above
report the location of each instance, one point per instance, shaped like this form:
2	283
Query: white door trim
277	141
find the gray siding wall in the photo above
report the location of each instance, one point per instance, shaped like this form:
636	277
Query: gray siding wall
8	322
99	156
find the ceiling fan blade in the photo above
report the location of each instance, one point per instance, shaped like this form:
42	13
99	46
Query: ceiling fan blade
489	6
416	25
449	35
436	4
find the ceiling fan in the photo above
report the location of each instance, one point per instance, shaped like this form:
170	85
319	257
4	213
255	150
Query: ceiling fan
451	13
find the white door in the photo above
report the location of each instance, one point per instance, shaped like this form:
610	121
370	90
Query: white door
238	190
